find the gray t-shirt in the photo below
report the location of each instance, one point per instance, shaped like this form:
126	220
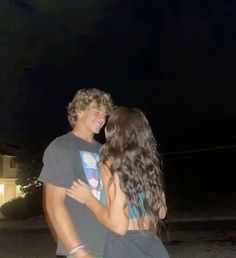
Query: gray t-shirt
68	158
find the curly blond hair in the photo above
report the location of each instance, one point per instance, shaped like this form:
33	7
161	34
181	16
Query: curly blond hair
82	100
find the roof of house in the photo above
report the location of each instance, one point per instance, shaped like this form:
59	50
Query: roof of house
8	149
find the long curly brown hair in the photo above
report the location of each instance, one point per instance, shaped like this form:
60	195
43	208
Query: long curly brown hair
132	148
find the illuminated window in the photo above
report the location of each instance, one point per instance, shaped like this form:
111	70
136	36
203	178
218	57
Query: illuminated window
1	188
1	194
12	162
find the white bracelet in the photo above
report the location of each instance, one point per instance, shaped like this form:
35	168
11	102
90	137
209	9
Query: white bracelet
76	248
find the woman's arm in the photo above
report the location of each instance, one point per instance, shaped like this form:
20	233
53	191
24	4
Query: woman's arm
163	209
115	199
112	215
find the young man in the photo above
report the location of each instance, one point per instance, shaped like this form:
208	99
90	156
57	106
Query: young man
67	158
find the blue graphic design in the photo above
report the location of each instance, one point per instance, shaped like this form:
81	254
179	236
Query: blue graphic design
89	163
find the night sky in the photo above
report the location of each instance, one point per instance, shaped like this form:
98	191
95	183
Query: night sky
174	59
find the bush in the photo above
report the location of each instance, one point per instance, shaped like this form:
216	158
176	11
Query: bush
23	207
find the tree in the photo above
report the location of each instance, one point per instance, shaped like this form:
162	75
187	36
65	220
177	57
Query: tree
29	164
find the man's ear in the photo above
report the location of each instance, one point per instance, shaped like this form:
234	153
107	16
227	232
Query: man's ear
78	113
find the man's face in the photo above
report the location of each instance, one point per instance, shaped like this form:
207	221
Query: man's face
93	117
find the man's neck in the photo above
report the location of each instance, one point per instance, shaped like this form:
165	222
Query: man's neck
86	136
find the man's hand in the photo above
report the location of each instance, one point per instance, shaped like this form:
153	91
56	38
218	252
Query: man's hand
80	191
81	254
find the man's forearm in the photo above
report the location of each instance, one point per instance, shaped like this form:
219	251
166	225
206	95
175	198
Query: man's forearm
62	225
64	230
58	216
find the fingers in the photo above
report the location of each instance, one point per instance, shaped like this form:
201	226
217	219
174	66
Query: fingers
75	183
76	188
80	182
70	193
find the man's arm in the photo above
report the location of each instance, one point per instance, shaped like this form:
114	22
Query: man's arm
59	218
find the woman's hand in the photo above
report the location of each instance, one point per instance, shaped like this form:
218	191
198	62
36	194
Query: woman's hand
80	191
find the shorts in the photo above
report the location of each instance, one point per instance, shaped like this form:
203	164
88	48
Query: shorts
135	243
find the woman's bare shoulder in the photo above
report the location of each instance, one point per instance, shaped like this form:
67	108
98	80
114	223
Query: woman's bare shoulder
105	164
104	167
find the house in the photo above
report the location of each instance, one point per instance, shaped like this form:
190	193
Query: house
8	169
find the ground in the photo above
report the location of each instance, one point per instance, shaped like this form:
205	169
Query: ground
187	239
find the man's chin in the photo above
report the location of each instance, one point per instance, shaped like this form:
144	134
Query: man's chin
97	131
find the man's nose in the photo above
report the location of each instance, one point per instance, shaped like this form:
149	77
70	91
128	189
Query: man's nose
102	117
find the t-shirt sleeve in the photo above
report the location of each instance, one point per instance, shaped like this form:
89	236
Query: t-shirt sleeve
57	166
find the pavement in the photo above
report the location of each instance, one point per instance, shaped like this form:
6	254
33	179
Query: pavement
173	217
32	239
201	215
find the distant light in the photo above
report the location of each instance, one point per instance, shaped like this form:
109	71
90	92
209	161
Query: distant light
1	188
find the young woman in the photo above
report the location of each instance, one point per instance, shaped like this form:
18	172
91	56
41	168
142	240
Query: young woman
133	188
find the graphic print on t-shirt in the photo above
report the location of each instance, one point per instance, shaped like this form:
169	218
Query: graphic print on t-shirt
89	163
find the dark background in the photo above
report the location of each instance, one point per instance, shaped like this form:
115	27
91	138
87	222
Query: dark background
173	59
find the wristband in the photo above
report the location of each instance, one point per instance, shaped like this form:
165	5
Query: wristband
76	248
